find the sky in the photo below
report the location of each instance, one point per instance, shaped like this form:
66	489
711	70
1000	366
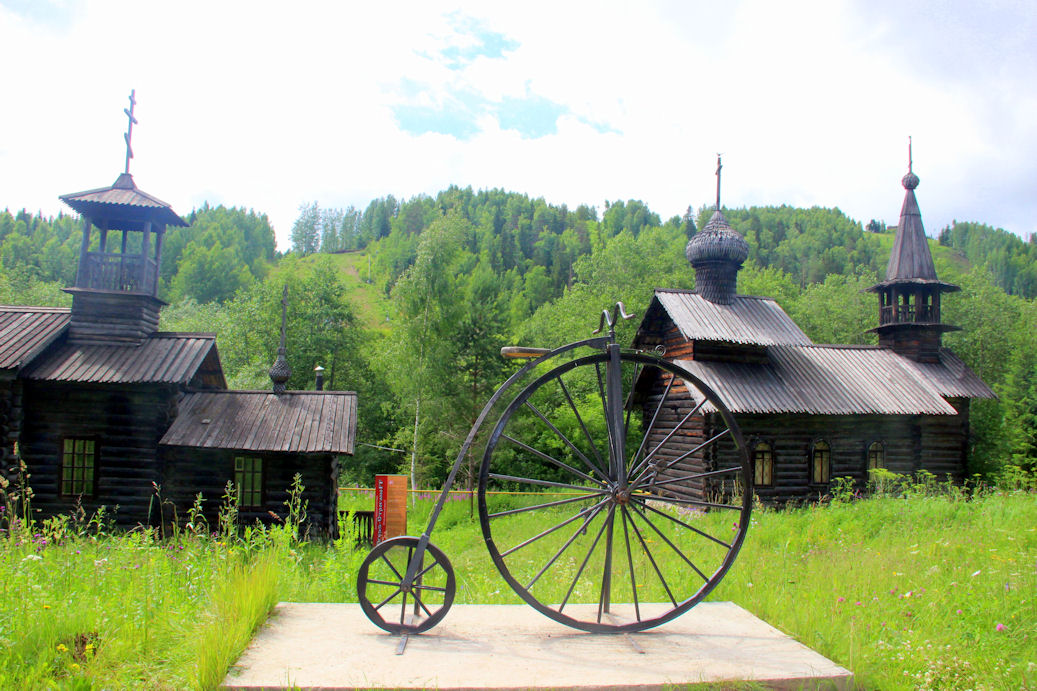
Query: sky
272	105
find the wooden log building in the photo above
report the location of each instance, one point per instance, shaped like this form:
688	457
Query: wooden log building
808	412
102	407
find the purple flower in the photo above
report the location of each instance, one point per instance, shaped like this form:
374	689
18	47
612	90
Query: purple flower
1000	627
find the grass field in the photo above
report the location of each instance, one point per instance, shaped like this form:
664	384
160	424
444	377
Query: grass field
925	591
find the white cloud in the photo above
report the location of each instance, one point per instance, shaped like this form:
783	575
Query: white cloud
271	105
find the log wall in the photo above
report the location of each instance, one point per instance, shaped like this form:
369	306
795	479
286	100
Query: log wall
190	471
127	422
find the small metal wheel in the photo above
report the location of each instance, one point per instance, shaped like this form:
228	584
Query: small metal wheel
641	492
389	602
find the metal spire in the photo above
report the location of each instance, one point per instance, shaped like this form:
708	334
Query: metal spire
129	128
910	159
280	373
719	166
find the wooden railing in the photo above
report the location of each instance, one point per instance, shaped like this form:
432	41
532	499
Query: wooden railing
123	272
907	314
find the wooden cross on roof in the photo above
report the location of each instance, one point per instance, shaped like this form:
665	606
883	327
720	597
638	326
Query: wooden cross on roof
129	128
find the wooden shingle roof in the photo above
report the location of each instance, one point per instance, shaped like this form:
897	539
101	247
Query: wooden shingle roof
163	358
123	206
261	421
26	331
839	380
747	320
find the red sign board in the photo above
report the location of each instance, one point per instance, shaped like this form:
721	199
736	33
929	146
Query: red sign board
390	506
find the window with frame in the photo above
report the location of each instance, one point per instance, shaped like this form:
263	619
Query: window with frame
763	464
248	478
820	463
78	466
876	455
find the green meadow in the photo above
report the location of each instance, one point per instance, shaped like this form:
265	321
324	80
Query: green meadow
914	587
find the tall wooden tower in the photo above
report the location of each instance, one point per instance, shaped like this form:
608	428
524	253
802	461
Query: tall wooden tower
115	297
909	298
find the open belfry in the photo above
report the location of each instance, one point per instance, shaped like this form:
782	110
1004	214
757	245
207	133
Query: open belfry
104	407
810	412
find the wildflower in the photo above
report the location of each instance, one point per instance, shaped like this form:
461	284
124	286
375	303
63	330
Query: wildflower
46	606
32	557
859	603
959	611
841	599
62	648
74	667
976	573
999	627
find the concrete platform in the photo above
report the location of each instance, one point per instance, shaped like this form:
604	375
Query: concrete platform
333	646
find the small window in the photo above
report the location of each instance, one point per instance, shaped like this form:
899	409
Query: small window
78	466
763	462
820	463
876	455
248	478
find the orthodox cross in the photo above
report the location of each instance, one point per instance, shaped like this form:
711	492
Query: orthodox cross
129	128
719	166
909	159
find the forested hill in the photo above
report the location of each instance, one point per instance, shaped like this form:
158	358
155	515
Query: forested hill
1011	261
408	302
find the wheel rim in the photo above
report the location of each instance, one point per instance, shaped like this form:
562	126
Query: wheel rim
394	607
615	544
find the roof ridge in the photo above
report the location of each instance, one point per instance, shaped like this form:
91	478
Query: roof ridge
183	334
35	308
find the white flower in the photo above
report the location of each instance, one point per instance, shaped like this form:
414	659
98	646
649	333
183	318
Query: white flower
32	557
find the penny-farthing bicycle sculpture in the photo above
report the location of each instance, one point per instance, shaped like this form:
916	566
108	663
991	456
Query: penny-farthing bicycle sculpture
614	493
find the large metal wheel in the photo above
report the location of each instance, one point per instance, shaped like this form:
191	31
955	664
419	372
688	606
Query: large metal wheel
630	522
393	605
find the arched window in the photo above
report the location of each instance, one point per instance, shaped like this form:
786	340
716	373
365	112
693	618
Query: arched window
876	455
820	463
763	462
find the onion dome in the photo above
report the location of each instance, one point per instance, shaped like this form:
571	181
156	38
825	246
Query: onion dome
717	242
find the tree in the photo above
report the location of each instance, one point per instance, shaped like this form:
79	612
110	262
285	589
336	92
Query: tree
306	230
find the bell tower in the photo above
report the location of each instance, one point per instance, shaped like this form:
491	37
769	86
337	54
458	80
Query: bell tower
115	297
909	298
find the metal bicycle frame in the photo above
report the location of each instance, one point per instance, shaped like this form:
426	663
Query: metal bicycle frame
614	421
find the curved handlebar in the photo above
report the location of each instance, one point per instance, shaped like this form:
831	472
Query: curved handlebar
618	311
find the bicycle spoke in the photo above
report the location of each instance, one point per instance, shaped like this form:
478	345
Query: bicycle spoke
393	568
586	432
682	523
630	565
564	547
422	605
651	425
545	483
606	577
674	547
669	464
550	459
391	597
648	553
583	565
644	461
628	404
696	476
523	509
695	502
552	529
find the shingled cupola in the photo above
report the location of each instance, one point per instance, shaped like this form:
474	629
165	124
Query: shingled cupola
115	297
717	253
909	298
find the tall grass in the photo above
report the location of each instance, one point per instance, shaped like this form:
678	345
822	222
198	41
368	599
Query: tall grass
909	590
